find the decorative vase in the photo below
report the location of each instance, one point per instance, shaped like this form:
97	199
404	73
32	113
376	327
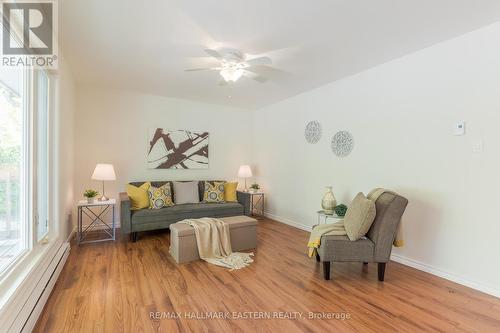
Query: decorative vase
328	203
90	200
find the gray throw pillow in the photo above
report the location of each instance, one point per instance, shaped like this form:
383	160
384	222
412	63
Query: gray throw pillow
186	192
359	217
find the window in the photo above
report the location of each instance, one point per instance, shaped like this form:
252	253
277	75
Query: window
14	162
24	162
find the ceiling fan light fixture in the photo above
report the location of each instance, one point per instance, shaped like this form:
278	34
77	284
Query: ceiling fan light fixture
231	74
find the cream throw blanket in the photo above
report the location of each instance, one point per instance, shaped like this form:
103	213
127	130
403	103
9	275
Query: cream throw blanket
214	243
373	195
324	229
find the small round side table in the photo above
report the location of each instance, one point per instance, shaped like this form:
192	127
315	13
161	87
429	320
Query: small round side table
322	216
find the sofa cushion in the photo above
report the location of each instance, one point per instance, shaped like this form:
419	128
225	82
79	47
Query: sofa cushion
186	192
214	192
160	197
359	217
186	211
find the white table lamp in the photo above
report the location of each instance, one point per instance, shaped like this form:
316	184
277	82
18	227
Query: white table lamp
104	172
245	172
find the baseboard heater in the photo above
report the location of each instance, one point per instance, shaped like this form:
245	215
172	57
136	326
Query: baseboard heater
31	310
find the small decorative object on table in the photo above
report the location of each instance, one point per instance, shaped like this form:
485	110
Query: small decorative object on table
254	188
328	203
90	195
340	210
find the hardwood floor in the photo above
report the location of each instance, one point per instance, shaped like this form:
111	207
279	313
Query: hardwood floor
114	287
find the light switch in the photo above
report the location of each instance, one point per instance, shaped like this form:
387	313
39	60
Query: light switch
459	128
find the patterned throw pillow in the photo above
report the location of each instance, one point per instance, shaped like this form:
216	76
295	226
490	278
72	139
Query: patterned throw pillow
214	192
160	197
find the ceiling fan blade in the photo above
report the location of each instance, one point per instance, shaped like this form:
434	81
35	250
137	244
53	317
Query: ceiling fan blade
214	54
270	72
258	62
202	69
254	76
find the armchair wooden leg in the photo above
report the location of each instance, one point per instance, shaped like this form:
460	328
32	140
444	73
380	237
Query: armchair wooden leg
326	270
318	259
133	236
381	271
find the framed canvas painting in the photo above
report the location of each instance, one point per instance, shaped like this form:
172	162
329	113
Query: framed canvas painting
177	149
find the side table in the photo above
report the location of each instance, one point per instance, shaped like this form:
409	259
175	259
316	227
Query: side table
256	201
97	220
322	216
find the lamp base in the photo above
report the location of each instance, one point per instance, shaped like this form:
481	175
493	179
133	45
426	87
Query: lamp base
103	198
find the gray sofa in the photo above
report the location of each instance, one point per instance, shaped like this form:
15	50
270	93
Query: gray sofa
134	221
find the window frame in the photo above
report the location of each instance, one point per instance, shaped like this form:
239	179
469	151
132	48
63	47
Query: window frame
41	239
30	239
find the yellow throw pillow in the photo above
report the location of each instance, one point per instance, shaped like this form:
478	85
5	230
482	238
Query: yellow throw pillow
230	192
139	198
214	192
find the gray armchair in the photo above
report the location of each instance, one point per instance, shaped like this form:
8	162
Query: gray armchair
377	245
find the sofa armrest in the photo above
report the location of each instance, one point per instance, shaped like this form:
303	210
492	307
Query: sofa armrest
125	213
244	199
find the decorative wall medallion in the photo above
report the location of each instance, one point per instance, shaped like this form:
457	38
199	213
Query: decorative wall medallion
177	149
312	132
342	143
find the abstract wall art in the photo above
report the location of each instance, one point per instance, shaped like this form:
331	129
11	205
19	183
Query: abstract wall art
342	143
177	149
312	133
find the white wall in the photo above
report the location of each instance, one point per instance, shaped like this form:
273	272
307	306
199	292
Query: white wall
113	126
401	115
63	146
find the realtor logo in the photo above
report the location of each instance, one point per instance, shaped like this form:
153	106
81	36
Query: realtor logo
28	37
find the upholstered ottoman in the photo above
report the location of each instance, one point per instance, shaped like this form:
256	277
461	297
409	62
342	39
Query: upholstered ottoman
183	248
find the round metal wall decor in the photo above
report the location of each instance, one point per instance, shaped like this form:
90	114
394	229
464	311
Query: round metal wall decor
342	143
312	132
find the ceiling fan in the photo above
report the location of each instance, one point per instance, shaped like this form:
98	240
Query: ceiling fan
234	65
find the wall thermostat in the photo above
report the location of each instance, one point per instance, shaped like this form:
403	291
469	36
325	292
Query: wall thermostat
459	128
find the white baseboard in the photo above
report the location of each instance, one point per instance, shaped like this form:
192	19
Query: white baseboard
491	290
46	285
36	281
288	221
71	235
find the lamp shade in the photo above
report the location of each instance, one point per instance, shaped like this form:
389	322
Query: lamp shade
245	171
104	172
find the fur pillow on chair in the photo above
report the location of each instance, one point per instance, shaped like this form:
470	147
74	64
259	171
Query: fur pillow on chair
359	217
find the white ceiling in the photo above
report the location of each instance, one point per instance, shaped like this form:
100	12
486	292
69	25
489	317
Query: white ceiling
146	45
